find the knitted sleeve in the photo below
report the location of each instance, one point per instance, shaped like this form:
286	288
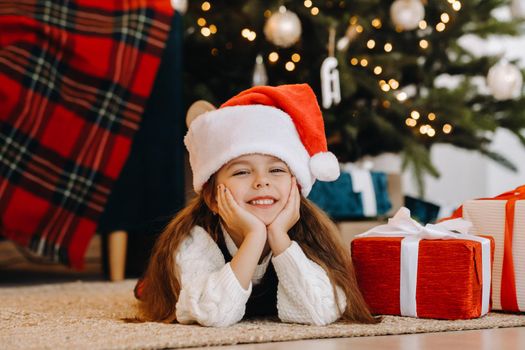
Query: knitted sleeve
304	293
210	293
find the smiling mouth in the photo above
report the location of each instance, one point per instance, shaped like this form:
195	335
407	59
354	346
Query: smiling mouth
262	203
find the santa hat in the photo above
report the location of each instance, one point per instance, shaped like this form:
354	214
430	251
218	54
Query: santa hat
283	121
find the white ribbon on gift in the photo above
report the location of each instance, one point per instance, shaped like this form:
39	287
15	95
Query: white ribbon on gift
402	225
362	183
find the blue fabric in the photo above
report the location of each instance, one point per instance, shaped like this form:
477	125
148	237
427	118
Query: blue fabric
338	199
421	210
380	181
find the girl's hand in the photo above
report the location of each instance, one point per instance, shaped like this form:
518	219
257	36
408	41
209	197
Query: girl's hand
238	220
290	213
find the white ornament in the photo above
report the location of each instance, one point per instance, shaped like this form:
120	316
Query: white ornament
259	72
504	81
179	5
406	14
350	35
330	88
517	9
283	28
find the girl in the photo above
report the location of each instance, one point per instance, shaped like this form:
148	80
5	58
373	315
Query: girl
250	243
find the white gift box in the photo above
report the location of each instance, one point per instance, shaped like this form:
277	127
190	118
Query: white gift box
488	218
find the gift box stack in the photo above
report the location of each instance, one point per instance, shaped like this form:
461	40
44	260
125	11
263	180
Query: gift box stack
433	271
503	217
357	194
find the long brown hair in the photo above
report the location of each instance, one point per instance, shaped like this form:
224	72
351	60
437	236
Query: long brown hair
317	235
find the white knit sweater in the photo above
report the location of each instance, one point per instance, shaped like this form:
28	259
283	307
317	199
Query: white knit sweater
212	296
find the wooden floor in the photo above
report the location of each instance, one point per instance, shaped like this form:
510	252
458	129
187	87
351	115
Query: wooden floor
489	339
16	270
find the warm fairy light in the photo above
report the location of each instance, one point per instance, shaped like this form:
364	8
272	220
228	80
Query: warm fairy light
388	47
386	104
354	61
431	116
440	26
201	22
353	20
214	51
422	24
445	17
402	96
447	128
205	31
411	122
307	4
359	28
451	1
290	66
423	43
273	57
364	62
205	6
248	34
394	84
267	14
371	43
424	128
296	57
376	23
456	5
314	11
384	86
377	70
415	114
431	132
213	28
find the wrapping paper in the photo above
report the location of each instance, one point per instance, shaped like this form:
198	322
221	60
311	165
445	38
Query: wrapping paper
489	217
448	271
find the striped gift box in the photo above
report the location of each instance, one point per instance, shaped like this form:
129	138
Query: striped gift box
488	217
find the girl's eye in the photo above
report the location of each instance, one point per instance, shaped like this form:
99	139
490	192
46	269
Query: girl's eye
278	170
240	172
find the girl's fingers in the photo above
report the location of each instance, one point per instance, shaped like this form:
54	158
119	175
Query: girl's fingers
230	201
223	204
219	200
296	199
293	194
297	194
227	203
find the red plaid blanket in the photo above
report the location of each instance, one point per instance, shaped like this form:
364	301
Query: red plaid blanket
74	79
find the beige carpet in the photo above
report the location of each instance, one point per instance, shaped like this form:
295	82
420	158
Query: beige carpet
86	315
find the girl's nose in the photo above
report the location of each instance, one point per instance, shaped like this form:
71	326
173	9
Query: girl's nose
260	183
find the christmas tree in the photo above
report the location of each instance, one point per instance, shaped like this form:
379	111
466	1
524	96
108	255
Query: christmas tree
384	95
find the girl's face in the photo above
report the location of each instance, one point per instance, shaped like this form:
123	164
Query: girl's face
259	184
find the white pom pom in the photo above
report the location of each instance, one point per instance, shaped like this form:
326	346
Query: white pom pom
324	166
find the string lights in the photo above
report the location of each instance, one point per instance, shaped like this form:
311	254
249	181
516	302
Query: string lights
387	86
248	34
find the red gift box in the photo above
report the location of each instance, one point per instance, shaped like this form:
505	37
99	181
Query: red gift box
449	283
436	271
